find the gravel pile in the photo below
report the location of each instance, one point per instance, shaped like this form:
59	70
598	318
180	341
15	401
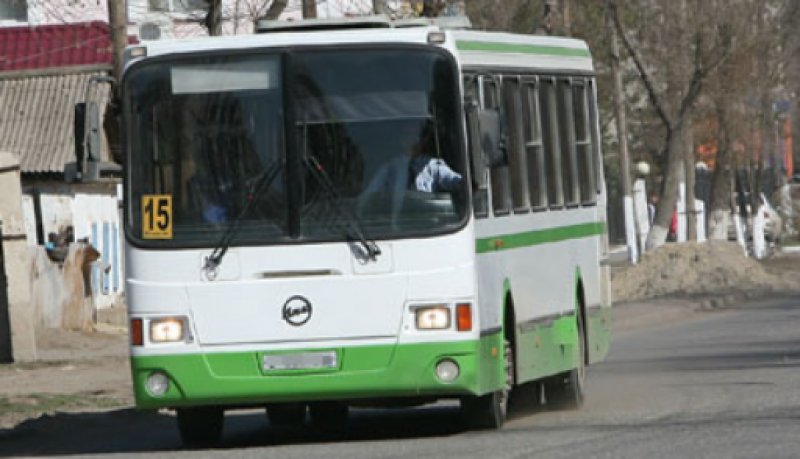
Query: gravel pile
691	269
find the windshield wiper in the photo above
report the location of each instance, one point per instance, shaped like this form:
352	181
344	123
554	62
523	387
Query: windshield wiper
318	172
221	248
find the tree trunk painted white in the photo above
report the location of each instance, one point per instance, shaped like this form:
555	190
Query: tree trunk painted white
657	236
739	222
641	212
786	209
759	237
630	230
718	222
700	213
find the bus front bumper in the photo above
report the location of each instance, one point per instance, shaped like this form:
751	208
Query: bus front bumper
362	372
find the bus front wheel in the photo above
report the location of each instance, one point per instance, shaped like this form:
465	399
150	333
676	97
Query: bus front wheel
200	427
489	411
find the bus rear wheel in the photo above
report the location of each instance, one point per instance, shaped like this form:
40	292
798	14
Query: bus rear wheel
566	390
200	427
489	411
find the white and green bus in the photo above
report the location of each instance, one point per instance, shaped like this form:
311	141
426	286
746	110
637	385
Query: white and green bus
292	245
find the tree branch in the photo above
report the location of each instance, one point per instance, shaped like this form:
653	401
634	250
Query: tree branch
645	76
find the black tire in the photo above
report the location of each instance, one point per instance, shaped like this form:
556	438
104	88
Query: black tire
329	416
286	414
489	411
200	427
566	391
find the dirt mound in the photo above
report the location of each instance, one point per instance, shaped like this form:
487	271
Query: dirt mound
694	269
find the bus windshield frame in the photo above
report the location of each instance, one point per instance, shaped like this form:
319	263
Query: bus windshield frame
315	137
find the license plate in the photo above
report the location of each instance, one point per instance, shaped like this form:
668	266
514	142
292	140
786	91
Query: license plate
299	361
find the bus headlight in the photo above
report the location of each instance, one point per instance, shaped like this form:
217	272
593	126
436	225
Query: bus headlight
168	329
434	317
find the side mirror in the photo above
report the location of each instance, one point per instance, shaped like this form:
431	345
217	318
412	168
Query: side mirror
86	128
88	141
486	146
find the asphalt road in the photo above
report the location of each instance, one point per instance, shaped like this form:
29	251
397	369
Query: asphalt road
726	384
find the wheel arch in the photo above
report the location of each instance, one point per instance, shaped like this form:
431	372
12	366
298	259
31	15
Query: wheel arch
509	323
580	311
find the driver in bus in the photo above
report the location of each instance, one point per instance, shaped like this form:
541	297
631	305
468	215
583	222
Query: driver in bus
420	171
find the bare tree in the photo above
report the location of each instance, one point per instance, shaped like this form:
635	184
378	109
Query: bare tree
622	138
213	19
673	98
247	12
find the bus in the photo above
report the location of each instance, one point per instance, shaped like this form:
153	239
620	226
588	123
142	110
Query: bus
323	218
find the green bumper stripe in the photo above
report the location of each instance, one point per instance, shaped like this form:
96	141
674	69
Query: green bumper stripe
495	47
406	370
562	233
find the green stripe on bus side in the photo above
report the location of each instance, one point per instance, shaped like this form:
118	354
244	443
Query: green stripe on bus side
378	371
495	47
529	238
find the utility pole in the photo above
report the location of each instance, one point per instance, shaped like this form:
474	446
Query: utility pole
622	129
118	24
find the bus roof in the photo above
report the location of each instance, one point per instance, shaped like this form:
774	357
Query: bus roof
506	50
474	49
413	35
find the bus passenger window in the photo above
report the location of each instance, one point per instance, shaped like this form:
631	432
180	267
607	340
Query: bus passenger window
480	195
516	145
489	93
498	176
501	190
534	150
552	146
594	132
566	121
583	142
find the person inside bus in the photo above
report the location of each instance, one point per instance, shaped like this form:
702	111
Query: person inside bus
419	170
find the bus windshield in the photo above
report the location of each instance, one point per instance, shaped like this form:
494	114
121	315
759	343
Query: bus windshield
296	147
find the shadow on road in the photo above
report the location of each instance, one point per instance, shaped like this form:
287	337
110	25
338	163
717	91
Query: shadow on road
131	431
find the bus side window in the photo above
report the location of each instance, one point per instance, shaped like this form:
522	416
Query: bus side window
534	150
597	158
583	142
498	176
517	166
566	124
480	195
489	93
552	146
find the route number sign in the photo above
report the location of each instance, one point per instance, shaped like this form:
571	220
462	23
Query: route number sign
157	216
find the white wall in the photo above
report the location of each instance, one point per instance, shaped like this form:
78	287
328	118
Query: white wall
94	215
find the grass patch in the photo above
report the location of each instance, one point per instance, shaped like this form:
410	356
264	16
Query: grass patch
43	403
13	367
